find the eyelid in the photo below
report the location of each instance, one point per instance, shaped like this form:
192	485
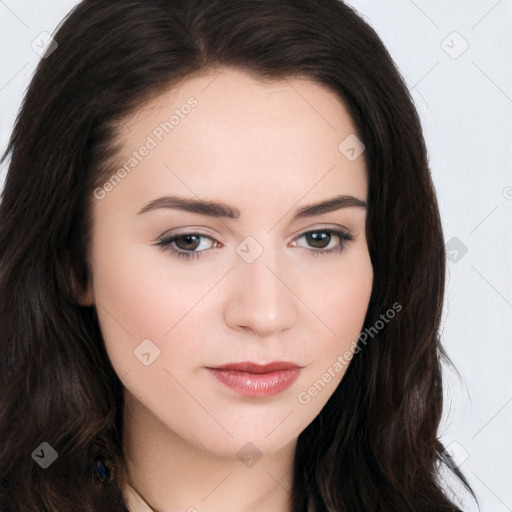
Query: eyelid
175	232
320	227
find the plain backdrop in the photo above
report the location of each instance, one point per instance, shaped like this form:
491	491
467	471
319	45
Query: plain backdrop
456	57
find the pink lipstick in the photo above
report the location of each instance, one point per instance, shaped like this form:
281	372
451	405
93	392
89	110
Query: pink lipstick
256	380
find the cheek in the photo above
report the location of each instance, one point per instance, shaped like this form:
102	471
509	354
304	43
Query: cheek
135	290
127	295
341	302
353	296
140	297
341	307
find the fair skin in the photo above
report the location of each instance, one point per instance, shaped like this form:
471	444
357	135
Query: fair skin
266	149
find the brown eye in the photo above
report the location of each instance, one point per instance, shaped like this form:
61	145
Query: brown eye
321	241
187	242
318	239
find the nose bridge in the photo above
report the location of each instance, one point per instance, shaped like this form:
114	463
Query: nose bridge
260	301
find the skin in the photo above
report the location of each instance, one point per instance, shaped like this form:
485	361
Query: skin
265	149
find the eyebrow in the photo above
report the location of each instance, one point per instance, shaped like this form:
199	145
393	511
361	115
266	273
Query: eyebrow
219	209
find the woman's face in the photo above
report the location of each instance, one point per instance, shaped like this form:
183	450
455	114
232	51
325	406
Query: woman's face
253	280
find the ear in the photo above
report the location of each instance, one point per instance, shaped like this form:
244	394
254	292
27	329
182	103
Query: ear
85	297
81	288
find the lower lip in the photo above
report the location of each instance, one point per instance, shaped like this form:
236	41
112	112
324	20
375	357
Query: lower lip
256	385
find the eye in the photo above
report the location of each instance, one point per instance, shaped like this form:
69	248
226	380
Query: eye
192	245
320	239
186	243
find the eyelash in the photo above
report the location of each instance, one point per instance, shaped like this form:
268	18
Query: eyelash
165	241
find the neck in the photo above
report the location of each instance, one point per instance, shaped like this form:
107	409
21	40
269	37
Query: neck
168	474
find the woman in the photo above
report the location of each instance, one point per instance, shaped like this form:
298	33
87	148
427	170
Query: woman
222	268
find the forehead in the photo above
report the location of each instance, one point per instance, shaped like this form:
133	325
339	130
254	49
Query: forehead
226	133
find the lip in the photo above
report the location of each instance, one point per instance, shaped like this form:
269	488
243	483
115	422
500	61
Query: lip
257	380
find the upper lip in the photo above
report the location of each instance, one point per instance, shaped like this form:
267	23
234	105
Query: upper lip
249	367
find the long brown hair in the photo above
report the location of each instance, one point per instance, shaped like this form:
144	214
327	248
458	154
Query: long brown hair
374	446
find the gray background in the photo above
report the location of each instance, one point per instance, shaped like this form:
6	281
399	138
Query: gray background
456	59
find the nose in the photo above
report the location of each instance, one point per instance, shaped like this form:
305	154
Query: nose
259	299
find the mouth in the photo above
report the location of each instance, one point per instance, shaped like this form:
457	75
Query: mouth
257	380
